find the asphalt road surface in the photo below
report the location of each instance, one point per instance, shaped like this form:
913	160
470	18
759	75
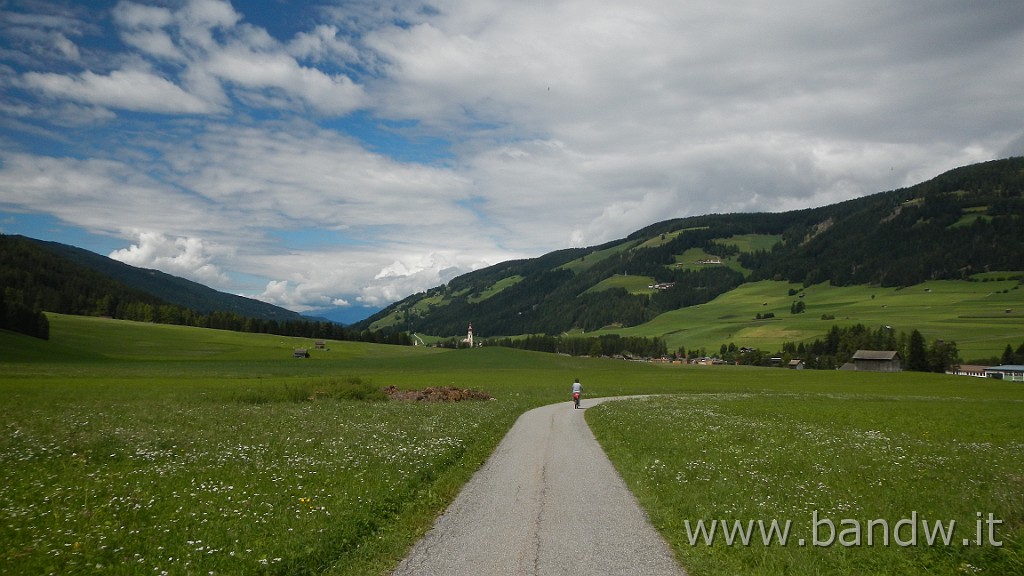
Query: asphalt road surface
547	502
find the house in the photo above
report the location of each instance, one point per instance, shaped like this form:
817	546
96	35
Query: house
1011	372
877	361
796	364
967	370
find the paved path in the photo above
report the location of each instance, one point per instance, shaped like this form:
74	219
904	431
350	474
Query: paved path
547	502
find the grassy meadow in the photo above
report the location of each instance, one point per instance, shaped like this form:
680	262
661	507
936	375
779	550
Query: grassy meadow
881	482
982	317
131	448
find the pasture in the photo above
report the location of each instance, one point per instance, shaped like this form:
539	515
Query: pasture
133	448
982	317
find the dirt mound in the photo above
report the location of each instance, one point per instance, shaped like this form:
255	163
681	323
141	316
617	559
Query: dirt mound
437	394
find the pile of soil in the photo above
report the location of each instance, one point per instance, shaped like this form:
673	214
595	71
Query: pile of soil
437	394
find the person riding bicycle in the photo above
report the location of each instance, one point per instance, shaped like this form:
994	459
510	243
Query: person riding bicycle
577	389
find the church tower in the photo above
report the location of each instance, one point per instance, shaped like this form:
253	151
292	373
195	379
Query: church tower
469	336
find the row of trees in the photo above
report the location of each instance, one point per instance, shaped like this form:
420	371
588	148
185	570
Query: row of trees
1011	356
169	314
606	345
841	343
18	316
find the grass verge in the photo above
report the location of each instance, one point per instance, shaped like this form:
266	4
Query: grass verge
857	483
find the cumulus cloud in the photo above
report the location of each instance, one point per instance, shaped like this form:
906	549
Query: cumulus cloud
181	256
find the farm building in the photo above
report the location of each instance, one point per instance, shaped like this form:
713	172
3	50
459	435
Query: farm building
877	361
1012	372
300	353
967	370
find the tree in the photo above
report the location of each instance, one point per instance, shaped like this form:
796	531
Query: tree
917	356
943	356
1008	356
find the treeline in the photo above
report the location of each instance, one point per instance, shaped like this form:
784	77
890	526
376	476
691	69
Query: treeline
17	317
169	314
35	280
841	343
611	345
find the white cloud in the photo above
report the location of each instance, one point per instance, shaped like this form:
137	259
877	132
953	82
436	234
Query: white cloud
198	18
323	43
132	15
156	43
126	89
105	196
337	278
211	49
187	257
253	70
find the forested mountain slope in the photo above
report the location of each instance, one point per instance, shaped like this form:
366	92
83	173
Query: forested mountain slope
965	221
47	276
38	277
170	289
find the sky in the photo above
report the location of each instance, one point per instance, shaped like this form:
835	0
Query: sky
325	154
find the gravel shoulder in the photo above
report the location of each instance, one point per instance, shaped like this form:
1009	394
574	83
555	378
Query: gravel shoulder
548	501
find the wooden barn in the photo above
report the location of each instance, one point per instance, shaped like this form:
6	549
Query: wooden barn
877	361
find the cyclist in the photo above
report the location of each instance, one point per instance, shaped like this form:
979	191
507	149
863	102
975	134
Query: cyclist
577	389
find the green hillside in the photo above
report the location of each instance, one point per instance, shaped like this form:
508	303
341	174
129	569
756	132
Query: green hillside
718	272
982	317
